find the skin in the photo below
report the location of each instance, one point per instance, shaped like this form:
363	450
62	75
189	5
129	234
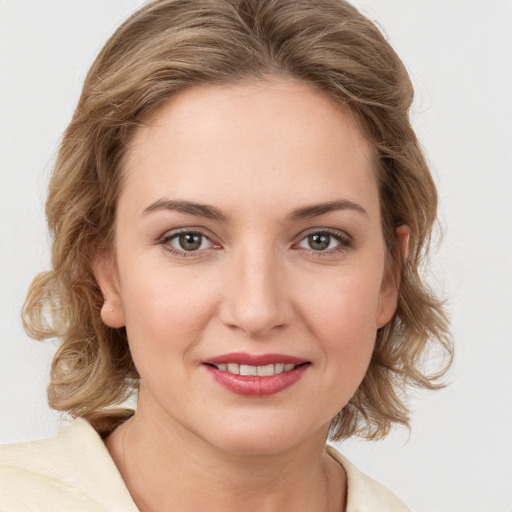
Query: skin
257	152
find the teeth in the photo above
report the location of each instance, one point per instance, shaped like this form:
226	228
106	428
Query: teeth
232	368
261	371
248	370
269	369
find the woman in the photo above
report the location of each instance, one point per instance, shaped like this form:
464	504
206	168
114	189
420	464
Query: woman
239	209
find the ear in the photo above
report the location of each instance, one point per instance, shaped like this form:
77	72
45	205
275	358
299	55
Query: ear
105	272
391	282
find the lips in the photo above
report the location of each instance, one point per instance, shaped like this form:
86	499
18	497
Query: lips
261	371
256	376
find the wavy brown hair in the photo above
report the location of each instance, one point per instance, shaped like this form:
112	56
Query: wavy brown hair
167	46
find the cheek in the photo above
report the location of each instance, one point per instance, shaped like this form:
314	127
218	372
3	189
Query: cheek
164	312
342	316
343	303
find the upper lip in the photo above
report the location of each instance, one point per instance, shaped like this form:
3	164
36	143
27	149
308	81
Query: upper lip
254	360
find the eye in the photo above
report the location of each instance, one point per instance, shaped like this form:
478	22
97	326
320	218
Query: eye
187	242
325	241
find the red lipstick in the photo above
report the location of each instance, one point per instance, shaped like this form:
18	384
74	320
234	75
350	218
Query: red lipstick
256	375
254	360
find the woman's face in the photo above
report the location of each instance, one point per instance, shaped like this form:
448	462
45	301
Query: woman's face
248	240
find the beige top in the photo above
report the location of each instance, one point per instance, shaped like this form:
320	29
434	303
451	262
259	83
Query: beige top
73	472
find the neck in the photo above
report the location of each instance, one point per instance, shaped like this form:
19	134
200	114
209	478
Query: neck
166	466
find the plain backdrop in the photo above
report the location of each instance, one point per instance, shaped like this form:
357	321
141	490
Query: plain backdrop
458	455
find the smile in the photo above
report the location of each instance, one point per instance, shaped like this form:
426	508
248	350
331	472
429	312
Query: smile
260	371
256	375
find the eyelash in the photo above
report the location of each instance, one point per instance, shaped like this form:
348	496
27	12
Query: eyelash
165	241
345	243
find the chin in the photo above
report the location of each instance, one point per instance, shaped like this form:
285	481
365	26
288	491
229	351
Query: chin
266	445
250	439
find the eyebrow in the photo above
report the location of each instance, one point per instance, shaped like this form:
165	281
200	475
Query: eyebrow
211	212
316	210
199	210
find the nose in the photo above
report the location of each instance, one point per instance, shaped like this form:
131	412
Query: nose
256	297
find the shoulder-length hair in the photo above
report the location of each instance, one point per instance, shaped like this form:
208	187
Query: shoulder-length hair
169	45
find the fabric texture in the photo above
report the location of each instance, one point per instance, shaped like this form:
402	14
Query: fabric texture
73	472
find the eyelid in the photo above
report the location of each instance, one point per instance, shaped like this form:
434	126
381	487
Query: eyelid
199	230
345	240
170	234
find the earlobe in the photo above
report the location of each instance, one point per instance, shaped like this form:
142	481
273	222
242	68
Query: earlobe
391	282
105	273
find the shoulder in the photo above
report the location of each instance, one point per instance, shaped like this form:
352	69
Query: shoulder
364	493
69	471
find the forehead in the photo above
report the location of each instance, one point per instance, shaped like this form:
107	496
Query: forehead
275	140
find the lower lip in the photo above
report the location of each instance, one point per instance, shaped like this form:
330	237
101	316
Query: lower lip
254	386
